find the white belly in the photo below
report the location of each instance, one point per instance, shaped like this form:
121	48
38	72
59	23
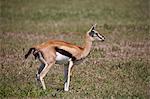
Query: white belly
61	58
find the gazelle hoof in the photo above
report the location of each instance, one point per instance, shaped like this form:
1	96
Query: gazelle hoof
66	87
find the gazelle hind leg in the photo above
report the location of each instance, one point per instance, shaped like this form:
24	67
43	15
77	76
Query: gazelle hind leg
43	71
41	67
39	71
66	85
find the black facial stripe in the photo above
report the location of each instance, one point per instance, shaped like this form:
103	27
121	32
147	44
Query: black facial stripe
66	53
98	35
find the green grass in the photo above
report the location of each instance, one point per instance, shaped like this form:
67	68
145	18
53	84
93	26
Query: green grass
61	16
117	68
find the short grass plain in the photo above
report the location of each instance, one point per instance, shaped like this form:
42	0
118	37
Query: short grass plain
116	68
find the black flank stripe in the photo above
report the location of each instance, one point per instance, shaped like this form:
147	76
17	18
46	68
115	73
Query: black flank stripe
66	53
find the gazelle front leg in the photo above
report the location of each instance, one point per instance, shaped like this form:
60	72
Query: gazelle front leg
67	82
65	74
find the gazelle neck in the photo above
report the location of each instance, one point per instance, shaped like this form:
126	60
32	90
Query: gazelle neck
87	46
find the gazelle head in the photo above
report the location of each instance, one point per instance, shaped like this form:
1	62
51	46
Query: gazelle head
94	35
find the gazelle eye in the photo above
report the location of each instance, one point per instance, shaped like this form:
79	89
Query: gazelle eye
92	33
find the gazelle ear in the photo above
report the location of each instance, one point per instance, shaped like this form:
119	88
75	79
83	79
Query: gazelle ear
93	27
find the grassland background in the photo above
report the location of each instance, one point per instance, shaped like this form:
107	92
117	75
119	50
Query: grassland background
116	68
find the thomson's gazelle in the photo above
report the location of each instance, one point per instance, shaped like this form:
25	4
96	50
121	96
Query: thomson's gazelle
56	51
